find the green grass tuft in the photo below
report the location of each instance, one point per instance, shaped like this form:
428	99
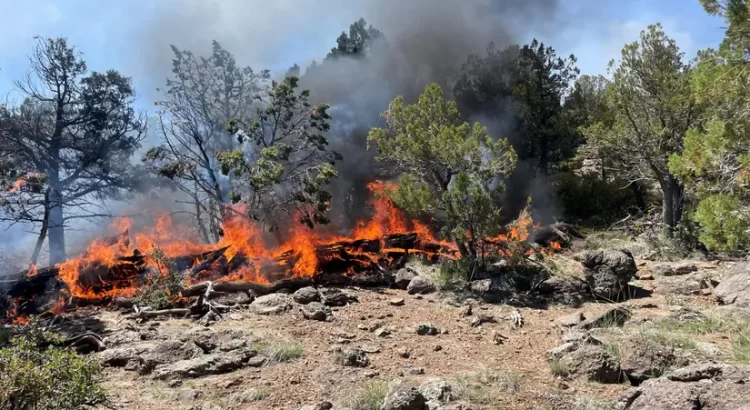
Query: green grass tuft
368	396
278	351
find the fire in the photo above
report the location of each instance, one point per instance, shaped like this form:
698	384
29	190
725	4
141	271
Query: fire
17	185
109	267
13	314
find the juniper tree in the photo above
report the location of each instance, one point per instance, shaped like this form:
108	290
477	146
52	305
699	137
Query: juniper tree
450	169
68	144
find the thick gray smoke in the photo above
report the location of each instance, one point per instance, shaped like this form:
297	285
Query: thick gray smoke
425	41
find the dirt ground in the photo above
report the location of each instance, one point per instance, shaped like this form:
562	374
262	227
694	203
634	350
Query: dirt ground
512	375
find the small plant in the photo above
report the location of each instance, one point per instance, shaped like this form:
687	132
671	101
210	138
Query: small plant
163	287
614	350
594	403
254	394
670	339
741	346
368	396
34	374
278	351
484	385
559	367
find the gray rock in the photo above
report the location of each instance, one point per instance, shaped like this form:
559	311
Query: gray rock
217	363
401	396
257	361
593	363
382	332
438	390
735	289
612	318
316	311
370	348
404	352
566	290
427	329
320	406
306	295
692	284
404	277
703	386
560	351
273	304
682	268
572	319
122	356
608	272
354	358
396	302
335	297
420	286
643	359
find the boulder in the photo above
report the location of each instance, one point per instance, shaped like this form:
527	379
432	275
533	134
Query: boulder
593	363
401	396
608	271
566	290
272	304
437	392
420	286
692	284
701	386
735	289
216	363
403	277
642	359
306	295
316	311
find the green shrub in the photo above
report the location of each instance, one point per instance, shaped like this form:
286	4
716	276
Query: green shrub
163	287
723	221
34	374
588	200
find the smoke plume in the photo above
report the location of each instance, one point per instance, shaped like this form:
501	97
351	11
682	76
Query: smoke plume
425	41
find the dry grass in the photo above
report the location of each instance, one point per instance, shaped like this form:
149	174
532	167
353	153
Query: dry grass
368	396
484	385
279	351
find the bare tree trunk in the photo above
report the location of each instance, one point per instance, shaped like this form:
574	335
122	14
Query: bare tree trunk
43	232
56	229
640	198
672	201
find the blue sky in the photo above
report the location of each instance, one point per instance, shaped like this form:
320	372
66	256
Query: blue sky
129	35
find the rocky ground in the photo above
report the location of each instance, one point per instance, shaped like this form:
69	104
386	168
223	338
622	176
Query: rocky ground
668	344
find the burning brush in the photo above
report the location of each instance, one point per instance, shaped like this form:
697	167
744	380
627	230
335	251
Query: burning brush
119	269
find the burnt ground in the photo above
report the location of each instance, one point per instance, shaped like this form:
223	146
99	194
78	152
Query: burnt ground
485	374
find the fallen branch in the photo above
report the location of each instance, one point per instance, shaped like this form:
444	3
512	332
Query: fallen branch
150	314
257	288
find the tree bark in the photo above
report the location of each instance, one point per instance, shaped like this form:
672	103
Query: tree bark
672	204
640	199
42	232
56	223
